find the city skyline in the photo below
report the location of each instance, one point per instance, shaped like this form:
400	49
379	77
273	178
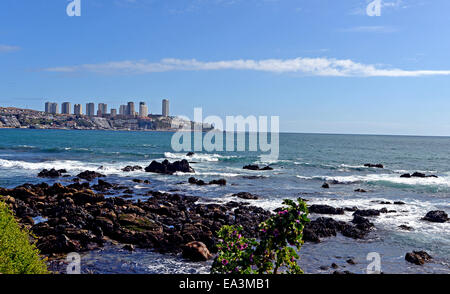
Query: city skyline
102	109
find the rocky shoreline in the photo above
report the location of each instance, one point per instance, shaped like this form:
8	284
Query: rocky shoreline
83	216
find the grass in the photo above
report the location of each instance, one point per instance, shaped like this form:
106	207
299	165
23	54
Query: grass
17	254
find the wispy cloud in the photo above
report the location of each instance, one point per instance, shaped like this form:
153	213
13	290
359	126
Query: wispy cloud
8	48
306	66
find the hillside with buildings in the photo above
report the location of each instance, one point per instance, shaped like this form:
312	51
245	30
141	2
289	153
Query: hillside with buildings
126	119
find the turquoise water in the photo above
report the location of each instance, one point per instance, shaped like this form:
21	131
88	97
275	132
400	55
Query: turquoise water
305	162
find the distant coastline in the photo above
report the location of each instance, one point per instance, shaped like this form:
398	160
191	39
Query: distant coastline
18	118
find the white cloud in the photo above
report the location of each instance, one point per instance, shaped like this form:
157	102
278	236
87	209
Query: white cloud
7	48
306	66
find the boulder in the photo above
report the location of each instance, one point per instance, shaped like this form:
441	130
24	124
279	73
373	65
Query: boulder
256	167
405	176
53	173
220	182
196	251
190	154
418	257
360	191
378	165
166	167
245	195
367	212
436	216
130	168
90	175
326	186
325	209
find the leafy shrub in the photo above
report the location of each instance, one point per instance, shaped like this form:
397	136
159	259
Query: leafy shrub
275	252
17	255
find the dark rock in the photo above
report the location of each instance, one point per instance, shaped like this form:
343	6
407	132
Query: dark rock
418	175
90	175
251	167
334	265
354	208
130	168
367	212
190	154
436	216
399	203
325	209
379	165
53	173
195	181
166	167
405	227
129	247
360	191
326	186
86	196
245	195
256	167
196	251
220	182
405	176
351	261
418	257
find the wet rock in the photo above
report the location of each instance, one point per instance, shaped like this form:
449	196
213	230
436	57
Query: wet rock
405	176
86	196
245	195
138	181
220	182
130	168
197	182
166	167
436	216
334	265
399	203
418	257
251	167
256	167
367	212
129	247
57	244
102	186
360	191
90	175
351	261
405	227
378	165
53	173
326	186
325	209
354	208
196	251
190	154
418	175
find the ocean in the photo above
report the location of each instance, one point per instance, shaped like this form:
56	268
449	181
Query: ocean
306	161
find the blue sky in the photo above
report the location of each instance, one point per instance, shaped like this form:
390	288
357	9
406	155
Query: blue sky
321	65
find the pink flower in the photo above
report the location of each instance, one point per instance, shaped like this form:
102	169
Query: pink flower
224	262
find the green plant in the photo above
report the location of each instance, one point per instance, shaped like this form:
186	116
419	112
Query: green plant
17	255
275	252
